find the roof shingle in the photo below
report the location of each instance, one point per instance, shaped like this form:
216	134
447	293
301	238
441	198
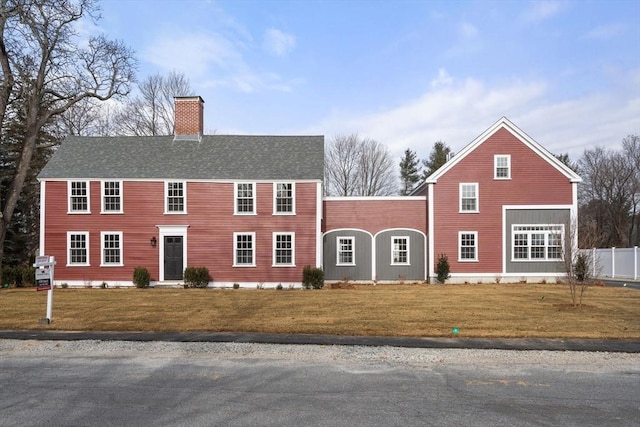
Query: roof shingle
215	157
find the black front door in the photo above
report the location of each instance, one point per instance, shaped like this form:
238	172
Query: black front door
173	258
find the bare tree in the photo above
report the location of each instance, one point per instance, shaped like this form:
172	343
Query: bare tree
631	151
45	71
340	165
152	111
81	118
357	167
577	264
376	170
607	194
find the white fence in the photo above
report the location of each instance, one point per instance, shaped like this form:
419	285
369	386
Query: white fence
616	263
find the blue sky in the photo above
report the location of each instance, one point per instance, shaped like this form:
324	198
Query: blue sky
405	73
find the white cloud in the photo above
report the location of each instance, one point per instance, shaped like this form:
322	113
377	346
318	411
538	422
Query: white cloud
459	112
278	43
542	10
605	32
443	79
468	30
247	82
202	55
194	54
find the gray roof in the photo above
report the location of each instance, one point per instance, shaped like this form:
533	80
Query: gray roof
213	157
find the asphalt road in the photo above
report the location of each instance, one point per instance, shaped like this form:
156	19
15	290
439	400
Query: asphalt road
216	384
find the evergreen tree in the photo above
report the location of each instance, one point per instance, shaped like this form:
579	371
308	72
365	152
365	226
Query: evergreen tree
564	158
22	235
409	171
46	68
440	153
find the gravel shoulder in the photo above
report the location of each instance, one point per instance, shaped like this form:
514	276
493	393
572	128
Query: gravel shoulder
306	355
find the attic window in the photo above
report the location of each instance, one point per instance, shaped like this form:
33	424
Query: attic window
502	166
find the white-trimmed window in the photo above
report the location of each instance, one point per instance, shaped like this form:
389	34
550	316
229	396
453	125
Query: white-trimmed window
111	243
537	242
111	196
175	197
284	198
399	250
467	246
244	252
284	249
469	197
78	192
77	248
245	195
502	166
345	251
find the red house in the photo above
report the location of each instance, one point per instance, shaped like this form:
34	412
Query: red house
246	207
251	210
381	239
503	207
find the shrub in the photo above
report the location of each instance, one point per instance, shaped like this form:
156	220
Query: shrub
141	277
197	277
9	275
28	275
237	286
18	276
312	277
442	269
64	285
279	287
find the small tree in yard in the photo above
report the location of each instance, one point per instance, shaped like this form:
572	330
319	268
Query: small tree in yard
579	278
576	264
442	269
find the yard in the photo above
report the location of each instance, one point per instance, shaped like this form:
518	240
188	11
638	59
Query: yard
487	310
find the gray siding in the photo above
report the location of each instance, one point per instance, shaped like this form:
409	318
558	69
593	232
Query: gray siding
535	216
415	270
362	255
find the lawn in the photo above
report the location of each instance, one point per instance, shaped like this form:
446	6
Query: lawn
488	310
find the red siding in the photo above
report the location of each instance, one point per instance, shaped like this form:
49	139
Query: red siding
533	182
211	222
375	214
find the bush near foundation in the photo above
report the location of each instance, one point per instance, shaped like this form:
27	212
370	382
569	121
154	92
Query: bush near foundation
197	277
312	277
442	269
141	277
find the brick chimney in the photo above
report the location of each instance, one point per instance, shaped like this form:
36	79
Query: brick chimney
189	122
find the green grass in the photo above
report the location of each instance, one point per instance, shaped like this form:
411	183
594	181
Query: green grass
490	310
